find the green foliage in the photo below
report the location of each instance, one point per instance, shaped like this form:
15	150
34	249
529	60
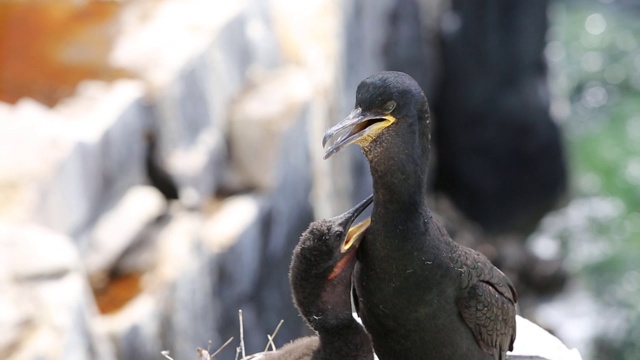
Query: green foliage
595	66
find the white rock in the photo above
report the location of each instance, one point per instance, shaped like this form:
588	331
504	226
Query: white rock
159	38
33	151
259	117
46	306
33	252
119	227
64	162
534	342
223	228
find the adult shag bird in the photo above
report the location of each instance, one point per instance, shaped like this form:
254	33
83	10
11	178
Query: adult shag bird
158	176
320	276
420	294
500	155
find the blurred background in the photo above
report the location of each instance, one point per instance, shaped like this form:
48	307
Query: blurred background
159	160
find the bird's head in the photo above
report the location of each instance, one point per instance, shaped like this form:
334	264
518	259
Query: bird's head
322	264
390	109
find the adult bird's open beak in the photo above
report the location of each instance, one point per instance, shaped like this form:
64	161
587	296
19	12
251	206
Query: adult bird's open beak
353	237
359	127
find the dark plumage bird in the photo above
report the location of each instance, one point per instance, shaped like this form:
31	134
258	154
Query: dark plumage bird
500	156
420	294
158	176
320	278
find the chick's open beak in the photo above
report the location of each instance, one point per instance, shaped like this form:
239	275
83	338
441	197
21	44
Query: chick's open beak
353	236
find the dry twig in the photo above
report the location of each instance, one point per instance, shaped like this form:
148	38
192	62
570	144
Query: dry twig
241	335
272	336
165	353
222	347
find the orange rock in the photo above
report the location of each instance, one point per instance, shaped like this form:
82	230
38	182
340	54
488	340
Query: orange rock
117	292
48	47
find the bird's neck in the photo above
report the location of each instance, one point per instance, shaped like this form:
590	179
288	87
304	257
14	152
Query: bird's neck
348	341
400	184
399	204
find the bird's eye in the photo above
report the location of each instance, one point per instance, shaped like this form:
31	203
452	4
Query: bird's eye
338	233
389	106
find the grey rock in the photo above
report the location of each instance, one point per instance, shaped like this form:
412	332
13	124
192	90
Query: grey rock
119	227
98	129
259	117
233	233
176	310
263	293
46	311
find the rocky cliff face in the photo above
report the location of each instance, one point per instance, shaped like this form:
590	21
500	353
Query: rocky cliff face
96	263
237	95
